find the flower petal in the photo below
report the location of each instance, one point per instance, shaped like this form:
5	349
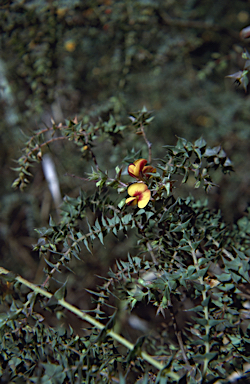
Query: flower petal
144	198
140	163
148	169
136	189
136	168
131	201
131	170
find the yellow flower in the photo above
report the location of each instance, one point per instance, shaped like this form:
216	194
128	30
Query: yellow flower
70	46
140	194
138	169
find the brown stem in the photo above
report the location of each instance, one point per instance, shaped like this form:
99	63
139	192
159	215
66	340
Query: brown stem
149	145
39	146
150	249
178	336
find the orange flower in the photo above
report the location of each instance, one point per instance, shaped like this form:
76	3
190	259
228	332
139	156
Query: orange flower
138	169
140	195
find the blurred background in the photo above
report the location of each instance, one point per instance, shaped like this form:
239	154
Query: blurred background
94	58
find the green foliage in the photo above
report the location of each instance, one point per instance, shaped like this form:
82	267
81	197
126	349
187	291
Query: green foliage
45	355
174	266
83	135
182	252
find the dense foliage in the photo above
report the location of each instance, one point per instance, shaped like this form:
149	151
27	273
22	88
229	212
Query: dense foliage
134	275
183	258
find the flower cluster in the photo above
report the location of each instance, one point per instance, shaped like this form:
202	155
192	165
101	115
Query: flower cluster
139	192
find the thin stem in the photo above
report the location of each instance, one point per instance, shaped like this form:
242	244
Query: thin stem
225	251
178	336
149	145
43	131
39	146
94	181
150	250
90	320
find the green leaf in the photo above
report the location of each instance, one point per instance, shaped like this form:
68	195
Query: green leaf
179	227
61	292
3	319
136	350
227	287
122	203
97	225
190	270
164	217
85	241
126	219
200	143
207	356
200	321
53	373
140	212
110	324
100	237
213	322
224	277
198	308
149	214
52	265
205	302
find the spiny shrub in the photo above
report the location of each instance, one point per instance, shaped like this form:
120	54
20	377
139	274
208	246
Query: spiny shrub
182	255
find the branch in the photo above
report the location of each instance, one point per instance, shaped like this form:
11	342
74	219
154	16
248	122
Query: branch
92	321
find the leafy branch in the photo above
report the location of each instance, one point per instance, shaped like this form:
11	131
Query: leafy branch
84	316
83	135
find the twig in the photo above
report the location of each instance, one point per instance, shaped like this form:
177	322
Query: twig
178	335
150	249
225	251
179	338
94	181
39	146
149	145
